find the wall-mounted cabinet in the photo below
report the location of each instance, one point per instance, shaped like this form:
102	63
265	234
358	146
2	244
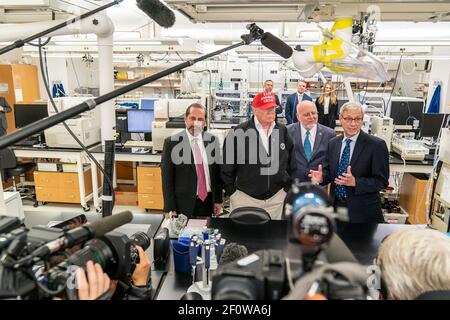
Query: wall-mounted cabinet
18	84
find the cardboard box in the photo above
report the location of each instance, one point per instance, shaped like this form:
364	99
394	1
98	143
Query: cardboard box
413	197
126	195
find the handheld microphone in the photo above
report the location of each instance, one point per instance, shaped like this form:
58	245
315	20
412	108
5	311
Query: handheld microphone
277	45
157	11
233	252
81	234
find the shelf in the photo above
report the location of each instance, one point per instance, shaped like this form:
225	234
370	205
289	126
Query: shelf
137	79
175	86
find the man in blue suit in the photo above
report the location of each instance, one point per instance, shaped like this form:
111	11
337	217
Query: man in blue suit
310	140
293	100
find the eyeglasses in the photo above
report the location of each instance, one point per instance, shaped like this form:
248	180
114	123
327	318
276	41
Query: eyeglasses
312	113
350	120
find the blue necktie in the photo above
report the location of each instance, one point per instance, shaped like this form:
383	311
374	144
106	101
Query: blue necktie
307	146
341	191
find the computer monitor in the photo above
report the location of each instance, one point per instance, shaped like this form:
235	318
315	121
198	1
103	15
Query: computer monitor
147	103
25	114
140	120
431	124
404	112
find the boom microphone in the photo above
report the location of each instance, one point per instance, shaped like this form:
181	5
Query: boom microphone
157	11
232	252
277	45
81	234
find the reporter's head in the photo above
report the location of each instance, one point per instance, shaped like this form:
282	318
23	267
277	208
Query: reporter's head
415	261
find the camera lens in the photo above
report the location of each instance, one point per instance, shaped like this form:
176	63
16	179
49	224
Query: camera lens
141	239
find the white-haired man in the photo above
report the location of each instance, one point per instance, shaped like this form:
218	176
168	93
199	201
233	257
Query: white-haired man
357	166
414	262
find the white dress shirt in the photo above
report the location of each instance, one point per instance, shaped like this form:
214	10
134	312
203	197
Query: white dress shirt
312	135
263	135
204	157
352	145
326	105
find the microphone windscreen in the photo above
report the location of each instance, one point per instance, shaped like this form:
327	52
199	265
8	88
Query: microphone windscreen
233	252
108	224
277	45
337	251
157	11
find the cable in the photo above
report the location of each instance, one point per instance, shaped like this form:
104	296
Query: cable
74	70
46	85
395	81
50	293
428	186
37	45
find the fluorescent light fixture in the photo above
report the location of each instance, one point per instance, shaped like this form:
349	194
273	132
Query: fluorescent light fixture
137	43
75	43
412	43
413	57
118	43
300	42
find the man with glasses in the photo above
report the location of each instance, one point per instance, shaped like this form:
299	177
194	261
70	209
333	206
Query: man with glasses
357	167
310	140
293	100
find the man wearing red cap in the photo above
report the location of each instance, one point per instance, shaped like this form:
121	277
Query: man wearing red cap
257	160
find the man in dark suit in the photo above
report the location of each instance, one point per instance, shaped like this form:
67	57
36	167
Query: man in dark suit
310	140
293	100
268	88
190	172
4	108
357	167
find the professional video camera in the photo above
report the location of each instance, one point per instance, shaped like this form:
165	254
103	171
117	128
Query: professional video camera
269	274
23	251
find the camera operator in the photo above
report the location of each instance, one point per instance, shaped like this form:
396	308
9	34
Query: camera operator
140	287
415	262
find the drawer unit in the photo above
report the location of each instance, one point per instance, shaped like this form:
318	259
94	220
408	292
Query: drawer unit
149	183
61	186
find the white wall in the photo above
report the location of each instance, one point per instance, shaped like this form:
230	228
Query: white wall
62	69
440	71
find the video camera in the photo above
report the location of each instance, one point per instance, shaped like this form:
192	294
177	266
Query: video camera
23	252
269	274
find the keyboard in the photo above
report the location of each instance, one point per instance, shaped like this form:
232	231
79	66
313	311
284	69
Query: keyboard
138	144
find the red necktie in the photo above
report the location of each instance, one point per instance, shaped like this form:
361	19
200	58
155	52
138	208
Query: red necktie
201	178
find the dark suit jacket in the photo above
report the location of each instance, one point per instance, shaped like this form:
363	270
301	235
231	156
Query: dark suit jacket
320	148
328	120
291	107
370	167
3	122
179	181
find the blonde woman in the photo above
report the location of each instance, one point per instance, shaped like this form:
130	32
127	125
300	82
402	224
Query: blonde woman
327	106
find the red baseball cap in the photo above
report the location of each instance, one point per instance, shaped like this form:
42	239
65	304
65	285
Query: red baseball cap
264	101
